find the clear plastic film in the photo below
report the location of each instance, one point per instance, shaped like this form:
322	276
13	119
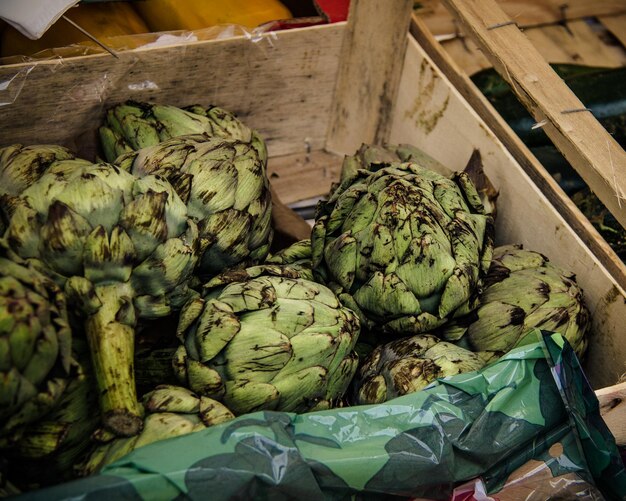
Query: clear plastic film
524	427
62	97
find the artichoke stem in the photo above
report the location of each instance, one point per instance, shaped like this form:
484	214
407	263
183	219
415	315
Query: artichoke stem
112	345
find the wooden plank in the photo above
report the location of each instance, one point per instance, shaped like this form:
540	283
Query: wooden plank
525	12
613	410
60	101
593	153
373	48
524	157
302	176
433	115
616	25
467	55
575	43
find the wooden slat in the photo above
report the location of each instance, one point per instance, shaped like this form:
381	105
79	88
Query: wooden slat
433	115
525	12
467	55
593	153
303	175
613	410
616	25
373	48
61	101
575	43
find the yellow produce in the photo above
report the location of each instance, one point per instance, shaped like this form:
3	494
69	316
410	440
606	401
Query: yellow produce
102	20
171	15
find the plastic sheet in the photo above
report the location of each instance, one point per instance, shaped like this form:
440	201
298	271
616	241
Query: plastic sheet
527	426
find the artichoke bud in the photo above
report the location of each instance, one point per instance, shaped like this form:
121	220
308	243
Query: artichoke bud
108	259
408	365
523	291
62	239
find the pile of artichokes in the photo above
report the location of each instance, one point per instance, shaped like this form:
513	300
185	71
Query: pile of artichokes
154	265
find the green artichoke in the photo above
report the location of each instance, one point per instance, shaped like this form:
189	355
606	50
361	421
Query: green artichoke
171	411
373	157
261	341
224	185
403	246
35	346
122	248
134	125
50	447
523	290
407	365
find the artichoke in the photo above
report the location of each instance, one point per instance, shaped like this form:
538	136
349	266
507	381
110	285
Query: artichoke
122	248
50	447
171	411
403	246
523	290
35	346
407	365
259	340
373	157
224	185
134	125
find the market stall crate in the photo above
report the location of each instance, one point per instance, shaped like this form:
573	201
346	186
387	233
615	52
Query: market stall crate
316	94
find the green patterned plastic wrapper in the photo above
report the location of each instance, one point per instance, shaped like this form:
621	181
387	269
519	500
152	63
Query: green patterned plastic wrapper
479	425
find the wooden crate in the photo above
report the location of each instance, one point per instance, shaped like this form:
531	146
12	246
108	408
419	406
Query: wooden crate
312	110
461	44
561	31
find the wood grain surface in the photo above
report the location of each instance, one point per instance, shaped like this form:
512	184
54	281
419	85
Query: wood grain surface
588	147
